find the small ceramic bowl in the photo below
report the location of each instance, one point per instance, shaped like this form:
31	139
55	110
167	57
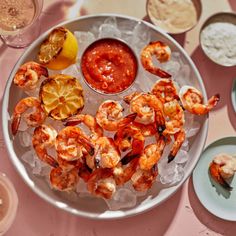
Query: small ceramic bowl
8	203
122	42
152	5
221	17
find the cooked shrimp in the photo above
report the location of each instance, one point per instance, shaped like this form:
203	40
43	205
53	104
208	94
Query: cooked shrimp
34	118
149	109
221	168
107	155
123	173
152	154
165	90
129	137
28	75
43	138
71	142
175	115
192	101
162	53
143	180
69	165
64	180
109	115
179	139
90	122
101	183
146	130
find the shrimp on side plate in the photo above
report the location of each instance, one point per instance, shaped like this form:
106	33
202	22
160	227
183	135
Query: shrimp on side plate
43	138
162	53
28	75
192	101
222	168
33	118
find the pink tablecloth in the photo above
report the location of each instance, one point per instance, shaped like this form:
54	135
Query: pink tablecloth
182	214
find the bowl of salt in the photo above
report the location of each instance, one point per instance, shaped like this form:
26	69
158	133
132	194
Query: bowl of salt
217	38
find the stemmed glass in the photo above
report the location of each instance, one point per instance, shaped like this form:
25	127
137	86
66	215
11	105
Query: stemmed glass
19	21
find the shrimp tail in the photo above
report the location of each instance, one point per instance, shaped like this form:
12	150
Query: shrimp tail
15	123
212	102
214	170
87	145
43	156
41	70
170	158
129	157
127	120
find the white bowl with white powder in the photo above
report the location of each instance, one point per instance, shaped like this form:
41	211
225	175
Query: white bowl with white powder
218	38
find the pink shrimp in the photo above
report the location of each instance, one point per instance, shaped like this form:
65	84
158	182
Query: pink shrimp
33	118
162	53
28	75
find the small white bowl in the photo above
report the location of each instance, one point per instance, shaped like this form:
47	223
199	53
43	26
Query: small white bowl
158	22
221	17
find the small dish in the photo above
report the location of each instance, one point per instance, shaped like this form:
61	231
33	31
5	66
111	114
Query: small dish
100	49
222	17
8	203
176	13
215	199
233	95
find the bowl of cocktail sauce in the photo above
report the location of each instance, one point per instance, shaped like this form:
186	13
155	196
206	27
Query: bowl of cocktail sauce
109	66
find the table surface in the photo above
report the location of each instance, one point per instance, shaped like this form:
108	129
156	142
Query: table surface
182	214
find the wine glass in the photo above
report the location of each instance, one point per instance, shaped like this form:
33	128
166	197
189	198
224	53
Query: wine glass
19	23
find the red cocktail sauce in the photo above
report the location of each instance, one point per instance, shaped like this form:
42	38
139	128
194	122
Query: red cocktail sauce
109	66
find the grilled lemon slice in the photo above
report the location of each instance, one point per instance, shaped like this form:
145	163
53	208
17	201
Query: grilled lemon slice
59	50
61	96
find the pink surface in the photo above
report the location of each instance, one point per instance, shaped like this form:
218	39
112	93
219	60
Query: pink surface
182	214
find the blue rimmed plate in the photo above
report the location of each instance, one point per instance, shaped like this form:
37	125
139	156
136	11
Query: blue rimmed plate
213	197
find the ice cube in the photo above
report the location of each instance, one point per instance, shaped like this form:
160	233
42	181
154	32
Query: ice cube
193	130
107	30
122	198
23	125
141	36
111	21
165	168
29	158
37	168
181	157
185	145
25	139
81	187
84	40
171	173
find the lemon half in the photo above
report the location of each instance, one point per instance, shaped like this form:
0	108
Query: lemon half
59	50
61	96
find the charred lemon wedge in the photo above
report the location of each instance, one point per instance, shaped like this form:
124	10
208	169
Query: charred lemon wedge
59	50
61	96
